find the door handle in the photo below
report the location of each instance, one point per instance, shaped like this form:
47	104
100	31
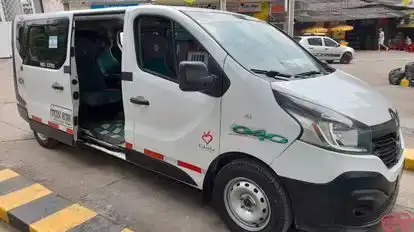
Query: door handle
310	48
139	101
57	86
326	48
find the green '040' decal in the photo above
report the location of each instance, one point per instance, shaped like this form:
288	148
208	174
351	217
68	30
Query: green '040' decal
259	134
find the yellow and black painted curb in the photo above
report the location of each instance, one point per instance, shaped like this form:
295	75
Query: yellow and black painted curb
409	159
29	206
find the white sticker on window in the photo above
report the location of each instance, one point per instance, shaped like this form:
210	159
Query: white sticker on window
53	41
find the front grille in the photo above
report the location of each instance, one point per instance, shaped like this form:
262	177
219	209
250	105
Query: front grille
387	148
386	143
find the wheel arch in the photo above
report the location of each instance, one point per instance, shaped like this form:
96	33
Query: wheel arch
218	163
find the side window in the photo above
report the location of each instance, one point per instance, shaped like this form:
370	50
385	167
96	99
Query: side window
47	44
20	38
329	42
315	41
153	43
164	44
188	48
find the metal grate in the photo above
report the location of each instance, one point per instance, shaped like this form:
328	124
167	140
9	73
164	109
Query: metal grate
10	8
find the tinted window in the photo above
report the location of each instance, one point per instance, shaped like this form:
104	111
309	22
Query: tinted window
48	44
20	38
329	42
315	41
162	51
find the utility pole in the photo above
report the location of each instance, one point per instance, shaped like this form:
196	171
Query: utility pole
223	4
291	17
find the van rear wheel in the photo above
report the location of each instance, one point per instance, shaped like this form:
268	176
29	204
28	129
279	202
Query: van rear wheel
45	141
248	197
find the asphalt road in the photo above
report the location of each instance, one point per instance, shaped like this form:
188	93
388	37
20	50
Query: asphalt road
146	201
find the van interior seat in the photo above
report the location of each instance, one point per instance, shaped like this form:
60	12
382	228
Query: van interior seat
155	48
92	84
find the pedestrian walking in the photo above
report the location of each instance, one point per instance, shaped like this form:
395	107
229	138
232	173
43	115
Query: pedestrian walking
381	38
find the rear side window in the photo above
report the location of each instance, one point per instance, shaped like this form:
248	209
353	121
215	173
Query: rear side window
20	38
315	41
47	44
329	42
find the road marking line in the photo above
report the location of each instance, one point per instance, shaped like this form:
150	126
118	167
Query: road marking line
21	197
29	206
63	220
6	174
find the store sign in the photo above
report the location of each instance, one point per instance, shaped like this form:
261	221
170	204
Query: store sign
407	21
244	7
278	6
207	6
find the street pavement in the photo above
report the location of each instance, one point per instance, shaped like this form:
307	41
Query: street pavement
140	199
6	228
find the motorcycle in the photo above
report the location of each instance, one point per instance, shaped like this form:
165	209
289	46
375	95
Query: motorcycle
397	75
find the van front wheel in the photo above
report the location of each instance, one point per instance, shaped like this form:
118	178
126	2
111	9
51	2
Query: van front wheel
249	198
45	141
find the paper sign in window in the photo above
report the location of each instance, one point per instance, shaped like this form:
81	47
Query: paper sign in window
53	42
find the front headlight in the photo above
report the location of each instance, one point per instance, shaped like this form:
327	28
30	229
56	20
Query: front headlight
326	128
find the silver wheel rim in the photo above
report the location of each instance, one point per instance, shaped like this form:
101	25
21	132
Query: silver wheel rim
247	204
41	136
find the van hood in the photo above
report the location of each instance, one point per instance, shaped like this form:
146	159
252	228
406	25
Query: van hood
343	93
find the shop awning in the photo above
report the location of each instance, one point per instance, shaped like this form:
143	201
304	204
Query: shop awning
369	12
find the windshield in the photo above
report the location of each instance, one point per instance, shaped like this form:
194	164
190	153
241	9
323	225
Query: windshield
255	44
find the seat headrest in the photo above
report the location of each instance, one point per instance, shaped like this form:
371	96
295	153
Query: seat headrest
154	46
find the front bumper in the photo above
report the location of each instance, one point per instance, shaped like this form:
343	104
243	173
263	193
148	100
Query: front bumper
353	200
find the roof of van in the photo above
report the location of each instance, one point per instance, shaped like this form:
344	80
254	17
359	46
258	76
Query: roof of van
111	9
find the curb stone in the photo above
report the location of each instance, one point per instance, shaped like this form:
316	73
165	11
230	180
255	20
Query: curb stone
29	206
409	159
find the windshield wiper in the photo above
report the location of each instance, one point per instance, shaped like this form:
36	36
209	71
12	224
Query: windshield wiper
310	73
274	74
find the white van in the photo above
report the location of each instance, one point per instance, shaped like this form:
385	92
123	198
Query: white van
220	101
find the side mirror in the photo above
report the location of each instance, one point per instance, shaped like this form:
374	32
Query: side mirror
193	76
338	45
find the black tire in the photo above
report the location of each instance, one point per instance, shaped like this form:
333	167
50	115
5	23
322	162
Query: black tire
45	141
395	76
280	218
346	58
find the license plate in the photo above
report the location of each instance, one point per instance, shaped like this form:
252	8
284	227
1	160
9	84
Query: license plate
61	115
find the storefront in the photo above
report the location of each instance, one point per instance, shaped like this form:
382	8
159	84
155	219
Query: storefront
278	15
256	8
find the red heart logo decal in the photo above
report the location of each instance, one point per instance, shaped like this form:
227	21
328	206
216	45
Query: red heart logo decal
207	137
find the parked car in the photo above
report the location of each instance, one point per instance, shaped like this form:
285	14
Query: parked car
326	49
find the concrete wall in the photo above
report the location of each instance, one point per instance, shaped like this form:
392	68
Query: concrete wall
5	42
52	5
